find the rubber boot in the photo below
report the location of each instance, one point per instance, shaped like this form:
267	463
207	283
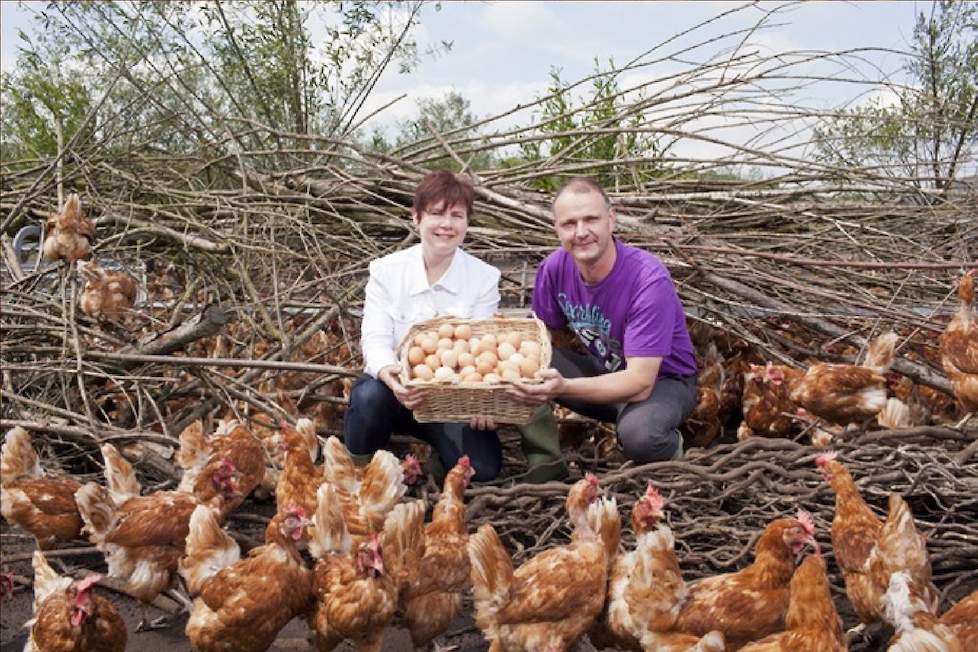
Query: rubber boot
541	445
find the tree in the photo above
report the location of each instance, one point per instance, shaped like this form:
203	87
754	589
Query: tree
931	129
594	128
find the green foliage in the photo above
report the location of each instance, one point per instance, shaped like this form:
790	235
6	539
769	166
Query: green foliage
591	129
197	74
931	127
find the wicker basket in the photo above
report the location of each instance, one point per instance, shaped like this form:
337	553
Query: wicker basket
455	401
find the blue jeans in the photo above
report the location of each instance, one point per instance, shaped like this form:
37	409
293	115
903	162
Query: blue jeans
375	413
647	430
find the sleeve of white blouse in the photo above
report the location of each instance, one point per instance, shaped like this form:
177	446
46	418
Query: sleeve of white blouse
377	327
487	302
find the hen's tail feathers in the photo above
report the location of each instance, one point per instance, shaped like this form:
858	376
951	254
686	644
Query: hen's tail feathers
879	357
17	457
209	549
603	519
712	642
308	430
119	475
902	548
403	542
381	489
492	571
97	510
195	449
895	414
338	468
329	531
902	600
46	580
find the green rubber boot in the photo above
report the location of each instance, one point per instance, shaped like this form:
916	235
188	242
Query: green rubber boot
541	446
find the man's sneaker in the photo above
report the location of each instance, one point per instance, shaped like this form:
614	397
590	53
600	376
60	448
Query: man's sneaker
678	455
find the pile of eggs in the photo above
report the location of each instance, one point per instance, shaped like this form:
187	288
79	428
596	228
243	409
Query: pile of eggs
453	354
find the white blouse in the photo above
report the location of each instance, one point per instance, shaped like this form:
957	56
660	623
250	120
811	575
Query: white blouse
398	295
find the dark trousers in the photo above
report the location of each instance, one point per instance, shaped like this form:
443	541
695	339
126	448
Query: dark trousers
647	430
375	413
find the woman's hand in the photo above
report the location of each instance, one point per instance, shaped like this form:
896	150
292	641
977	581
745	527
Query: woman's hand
482	423
409	397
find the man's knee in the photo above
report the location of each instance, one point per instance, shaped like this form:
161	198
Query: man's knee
650	440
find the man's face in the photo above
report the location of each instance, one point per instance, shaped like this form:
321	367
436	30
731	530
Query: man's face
442	229
584	225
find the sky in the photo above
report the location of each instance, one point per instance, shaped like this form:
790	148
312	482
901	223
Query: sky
502	52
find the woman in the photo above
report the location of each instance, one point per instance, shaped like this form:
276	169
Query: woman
432	279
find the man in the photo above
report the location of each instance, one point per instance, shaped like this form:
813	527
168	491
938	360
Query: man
620	302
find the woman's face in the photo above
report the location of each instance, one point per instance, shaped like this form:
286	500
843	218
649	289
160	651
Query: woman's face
442	229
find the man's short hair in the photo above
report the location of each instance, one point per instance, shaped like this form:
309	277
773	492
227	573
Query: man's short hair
446	186
582	186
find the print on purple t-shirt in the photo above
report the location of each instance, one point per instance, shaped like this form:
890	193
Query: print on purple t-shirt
633	312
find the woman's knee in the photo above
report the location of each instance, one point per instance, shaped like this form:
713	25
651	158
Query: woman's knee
369	417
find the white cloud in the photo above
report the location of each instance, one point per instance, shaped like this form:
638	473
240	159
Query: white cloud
512	20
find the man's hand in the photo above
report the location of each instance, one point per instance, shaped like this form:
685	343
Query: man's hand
409	397
482	423
553	385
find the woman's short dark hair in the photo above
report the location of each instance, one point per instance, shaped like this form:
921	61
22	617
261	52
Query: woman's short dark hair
443	186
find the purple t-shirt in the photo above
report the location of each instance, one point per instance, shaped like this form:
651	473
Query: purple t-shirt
633	312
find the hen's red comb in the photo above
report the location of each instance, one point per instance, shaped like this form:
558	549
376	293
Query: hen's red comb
652	496
826	457
591	478
87	583
465	461
805	518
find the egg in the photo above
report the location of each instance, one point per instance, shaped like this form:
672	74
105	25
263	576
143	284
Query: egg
444	373
433	361
492	379
460	346
422	372
466	360
510	374
429	343
419	338
513	338
528	367
445	343
446	331
471	377
415	355
466	370
449	358
463	332
506	365
518	358
505	350
490	338
530	349
485	362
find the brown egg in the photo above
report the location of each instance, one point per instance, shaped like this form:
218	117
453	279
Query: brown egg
491	378
463	332
449	358
506	365
518	358
446	330
433	361
510	374
419	338
474	345
422	372
489	337
460	346
415	355
465	371
472	377
528	367
466	360
530	349
445	343
485	362
505	350
429	343
513	338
